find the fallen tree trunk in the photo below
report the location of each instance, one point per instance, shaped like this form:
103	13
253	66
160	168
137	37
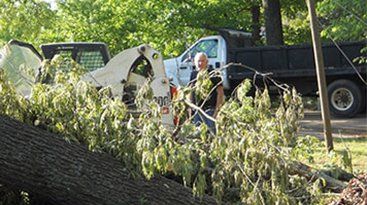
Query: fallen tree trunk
44	164
309	173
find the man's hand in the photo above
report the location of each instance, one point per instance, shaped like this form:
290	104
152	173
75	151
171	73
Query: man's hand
215	113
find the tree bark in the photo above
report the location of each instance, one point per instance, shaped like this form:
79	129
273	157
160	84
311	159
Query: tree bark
273	22
45	165
309	173
255	23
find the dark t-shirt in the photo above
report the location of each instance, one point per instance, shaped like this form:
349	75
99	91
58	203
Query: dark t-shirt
212	101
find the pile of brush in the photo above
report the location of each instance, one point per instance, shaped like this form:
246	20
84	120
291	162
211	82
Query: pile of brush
355	193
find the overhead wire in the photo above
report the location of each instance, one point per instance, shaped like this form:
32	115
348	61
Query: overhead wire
344	54
353	14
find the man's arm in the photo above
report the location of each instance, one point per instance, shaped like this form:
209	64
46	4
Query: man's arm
189	109
191	95
220	100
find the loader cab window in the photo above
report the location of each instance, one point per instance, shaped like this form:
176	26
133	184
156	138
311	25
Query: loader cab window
210	47
66	56
90	60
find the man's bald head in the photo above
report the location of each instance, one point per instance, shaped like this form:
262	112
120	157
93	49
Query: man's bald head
201	61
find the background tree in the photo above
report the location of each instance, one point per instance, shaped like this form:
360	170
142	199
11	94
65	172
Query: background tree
167	25
343	20
273	22
26	20
171	26
296	28
255	23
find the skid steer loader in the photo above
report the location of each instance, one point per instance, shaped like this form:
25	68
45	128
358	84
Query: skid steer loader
125	73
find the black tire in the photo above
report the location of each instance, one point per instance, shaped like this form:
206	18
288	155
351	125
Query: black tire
345	98
364	100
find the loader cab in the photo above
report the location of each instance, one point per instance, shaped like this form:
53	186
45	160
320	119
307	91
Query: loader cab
89	55
22	62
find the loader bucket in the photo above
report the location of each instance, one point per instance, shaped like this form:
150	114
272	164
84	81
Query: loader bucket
21	63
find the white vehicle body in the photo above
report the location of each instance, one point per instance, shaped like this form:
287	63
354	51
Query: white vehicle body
21	65
125	73
179	69
120	73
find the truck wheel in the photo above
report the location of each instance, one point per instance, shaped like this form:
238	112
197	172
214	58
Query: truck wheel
345	98
364	100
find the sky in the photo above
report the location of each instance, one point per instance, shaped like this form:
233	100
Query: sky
52	2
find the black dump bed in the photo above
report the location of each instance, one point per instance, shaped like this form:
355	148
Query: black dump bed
295	61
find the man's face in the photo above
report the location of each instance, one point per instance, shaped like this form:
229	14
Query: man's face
201	62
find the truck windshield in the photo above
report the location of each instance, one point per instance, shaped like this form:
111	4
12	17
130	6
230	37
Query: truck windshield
210	47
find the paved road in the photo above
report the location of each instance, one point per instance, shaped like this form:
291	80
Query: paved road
341	127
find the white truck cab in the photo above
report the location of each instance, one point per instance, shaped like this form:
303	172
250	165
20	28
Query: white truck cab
216	48
179	69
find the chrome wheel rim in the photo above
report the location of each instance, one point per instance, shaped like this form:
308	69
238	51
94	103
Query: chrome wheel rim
342	99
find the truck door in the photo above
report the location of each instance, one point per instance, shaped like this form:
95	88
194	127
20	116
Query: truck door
208	46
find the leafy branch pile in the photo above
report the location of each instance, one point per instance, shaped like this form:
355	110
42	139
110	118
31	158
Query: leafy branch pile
355	193
248	160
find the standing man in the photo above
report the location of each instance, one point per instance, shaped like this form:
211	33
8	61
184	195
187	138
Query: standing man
215	99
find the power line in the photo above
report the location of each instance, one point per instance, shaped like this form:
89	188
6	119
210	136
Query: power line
353	14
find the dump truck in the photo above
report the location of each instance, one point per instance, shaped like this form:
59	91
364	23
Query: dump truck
293	65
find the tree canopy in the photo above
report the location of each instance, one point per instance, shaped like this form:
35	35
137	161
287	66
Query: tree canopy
168	25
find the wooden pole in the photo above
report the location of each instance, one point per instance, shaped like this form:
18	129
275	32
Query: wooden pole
319	63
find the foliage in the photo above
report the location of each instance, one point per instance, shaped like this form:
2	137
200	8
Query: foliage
296	24
247	160
168	25
343	20
27	20
346	148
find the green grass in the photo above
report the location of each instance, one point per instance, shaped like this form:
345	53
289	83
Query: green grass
357	147
358	150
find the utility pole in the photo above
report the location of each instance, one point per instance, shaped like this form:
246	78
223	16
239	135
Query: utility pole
321	80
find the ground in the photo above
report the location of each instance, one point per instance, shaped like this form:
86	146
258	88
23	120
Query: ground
341	127
348	134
